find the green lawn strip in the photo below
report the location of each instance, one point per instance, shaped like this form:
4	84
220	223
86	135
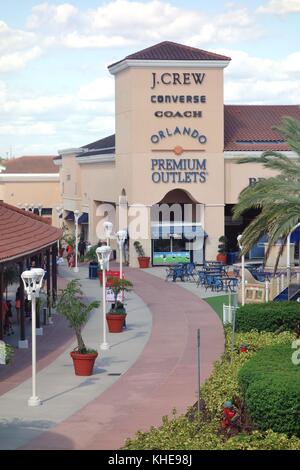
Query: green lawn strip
216	304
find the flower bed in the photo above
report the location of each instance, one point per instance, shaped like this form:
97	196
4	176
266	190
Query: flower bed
188	432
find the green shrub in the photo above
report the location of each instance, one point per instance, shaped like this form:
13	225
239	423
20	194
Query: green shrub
271	316
258	440
270	385
222	384
181	433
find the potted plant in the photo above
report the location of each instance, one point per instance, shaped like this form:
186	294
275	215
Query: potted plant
142	259
6	353
222	249
116	316
70	306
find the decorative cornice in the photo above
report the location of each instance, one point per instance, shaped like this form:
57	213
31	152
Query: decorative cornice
234	155
71	151
100	158
192	64
30	177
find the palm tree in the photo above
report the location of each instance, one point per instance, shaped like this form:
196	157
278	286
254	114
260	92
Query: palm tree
277	197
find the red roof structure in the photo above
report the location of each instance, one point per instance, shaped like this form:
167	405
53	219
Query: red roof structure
23	233
250	127
36	164
168	50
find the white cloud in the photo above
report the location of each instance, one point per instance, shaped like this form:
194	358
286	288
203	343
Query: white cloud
37	105
14	39
19	59
59	15
120	23
17	48
253	80
101	125
76	40
23	128
100	89
280	7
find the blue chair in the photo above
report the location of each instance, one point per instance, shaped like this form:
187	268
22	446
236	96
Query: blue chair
233	285
214	282
190	271
201	278
178	272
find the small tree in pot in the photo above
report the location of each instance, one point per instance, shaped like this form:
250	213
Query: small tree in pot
222	249
71	307
142	259
117	314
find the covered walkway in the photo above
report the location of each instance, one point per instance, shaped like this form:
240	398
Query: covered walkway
26	237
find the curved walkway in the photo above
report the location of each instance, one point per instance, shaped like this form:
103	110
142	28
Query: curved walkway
163	377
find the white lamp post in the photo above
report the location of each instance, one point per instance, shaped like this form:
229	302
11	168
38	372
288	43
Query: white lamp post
59	211
239	239
76	218
288	254
108	228
32	284
40	208
103	254
121	237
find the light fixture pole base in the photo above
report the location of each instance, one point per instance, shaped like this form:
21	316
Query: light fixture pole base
104	346
23	344
34	401
76	270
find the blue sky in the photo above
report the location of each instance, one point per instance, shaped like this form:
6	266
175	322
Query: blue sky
56	92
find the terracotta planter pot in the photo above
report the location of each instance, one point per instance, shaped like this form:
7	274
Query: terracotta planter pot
83	363
115	322
222	258
144	261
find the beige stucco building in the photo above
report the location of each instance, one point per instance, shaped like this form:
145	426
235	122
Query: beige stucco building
175	142
31	183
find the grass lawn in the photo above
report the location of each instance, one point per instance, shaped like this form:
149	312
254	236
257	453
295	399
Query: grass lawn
217	303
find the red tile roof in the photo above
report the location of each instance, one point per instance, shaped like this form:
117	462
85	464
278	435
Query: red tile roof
250	127
23	232
36	164
168	50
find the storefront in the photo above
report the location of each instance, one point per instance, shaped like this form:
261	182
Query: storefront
175	147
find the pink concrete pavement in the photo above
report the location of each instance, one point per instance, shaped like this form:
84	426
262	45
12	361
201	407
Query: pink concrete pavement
163	377
55	340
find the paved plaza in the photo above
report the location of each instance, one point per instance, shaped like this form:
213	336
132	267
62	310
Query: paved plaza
149	369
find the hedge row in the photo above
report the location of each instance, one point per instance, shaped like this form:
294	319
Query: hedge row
271	316
270	386
181	433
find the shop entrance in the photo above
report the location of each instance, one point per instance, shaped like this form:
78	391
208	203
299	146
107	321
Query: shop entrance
177	230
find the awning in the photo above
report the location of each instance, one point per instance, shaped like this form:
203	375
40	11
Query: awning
186	231
84	218
70	216
295	237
